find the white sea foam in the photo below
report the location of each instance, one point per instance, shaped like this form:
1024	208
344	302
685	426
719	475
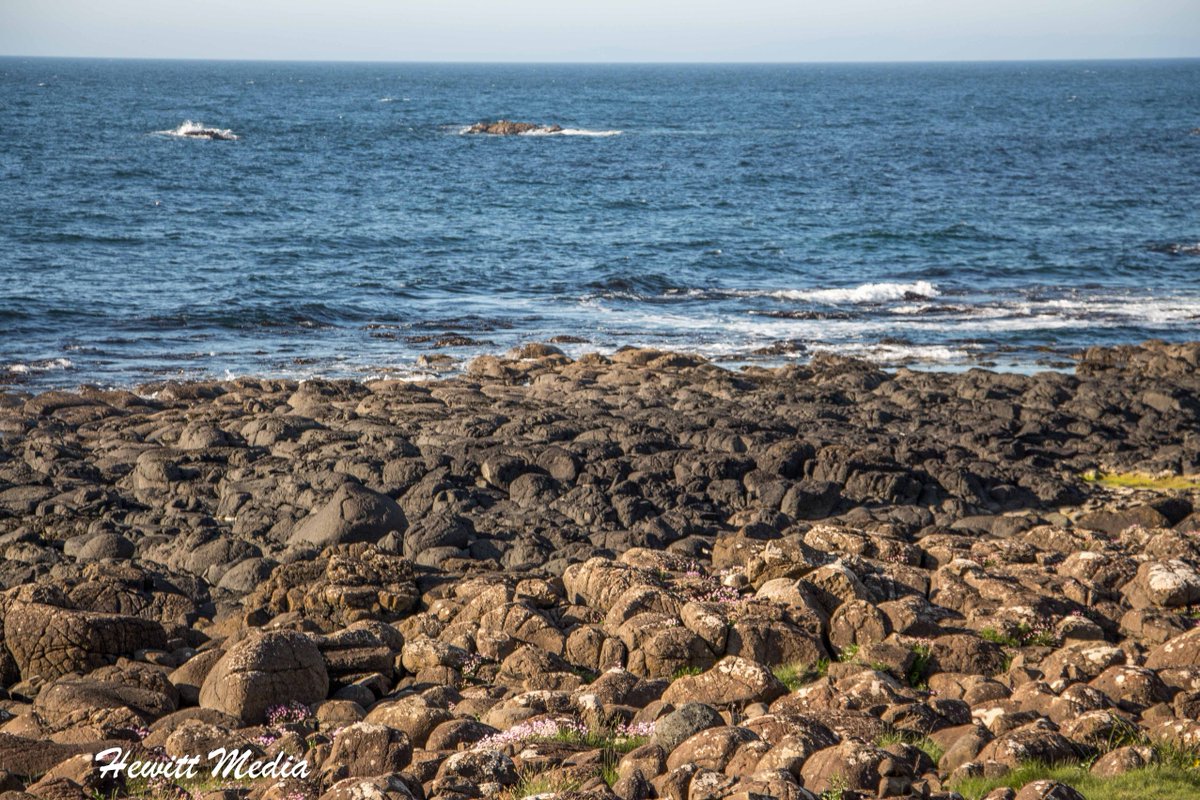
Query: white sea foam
897	353
466	129
864	293
198	130
46	365
571	132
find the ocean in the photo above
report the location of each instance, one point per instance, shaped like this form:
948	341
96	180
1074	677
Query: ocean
929	215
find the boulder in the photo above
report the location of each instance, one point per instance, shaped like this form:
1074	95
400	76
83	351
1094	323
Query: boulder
1032	742
48	642
475	773
684	722
1115	521
353	514
265	670
1178	651
712	748
1163	584
363	749
506	127
731	681
1048	790
379	787
857	766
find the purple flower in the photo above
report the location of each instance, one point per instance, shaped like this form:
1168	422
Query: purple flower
534	730
293	712
636	729
266	739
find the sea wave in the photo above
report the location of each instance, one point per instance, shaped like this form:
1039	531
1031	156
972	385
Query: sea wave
896	353
198	130
863	293
572	132
866	293
547	131
45	365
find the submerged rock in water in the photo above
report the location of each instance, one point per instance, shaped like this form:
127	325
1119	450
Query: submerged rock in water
198	130
506	127
209	133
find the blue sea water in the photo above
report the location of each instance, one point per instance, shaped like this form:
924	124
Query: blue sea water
937	215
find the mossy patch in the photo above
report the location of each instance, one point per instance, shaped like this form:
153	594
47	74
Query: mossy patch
1140	480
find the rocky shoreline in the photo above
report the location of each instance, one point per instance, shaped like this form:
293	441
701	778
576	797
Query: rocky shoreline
632	576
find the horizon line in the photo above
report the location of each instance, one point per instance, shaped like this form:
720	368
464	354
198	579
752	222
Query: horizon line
681	62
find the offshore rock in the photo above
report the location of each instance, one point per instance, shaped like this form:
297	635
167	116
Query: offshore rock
507	128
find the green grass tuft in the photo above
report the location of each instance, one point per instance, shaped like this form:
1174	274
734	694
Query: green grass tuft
836	790
1026	636
916	673
530	783
848	653
994	636
609	767
600	740
923	743
793	676
684	672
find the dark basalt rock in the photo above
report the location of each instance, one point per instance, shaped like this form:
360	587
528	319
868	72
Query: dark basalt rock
213	134
507	128
763	571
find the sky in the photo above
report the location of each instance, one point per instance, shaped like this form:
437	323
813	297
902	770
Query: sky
604	30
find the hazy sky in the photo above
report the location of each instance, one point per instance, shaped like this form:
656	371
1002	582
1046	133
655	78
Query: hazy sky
602	30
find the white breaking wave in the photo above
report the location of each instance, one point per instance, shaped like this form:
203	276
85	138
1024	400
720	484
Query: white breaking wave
198	130
40	366
572	132
466	130
866	293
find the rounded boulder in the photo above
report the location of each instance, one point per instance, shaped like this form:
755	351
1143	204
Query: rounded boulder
265	670
353	514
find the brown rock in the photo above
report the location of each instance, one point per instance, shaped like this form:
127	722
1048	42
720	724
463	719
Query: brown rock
1048	790
731	681
380	787
362	750
265	670
1163	584
1034	742
47	642
353	514
714	748
1179	651
857	766
1122	760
